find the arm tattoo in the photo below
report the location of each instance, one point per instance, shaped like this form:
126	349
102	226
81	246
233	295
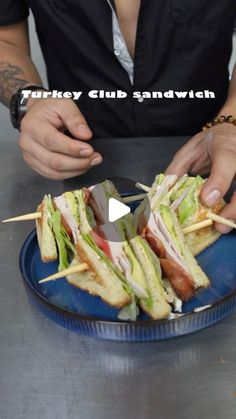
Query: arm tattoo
10	81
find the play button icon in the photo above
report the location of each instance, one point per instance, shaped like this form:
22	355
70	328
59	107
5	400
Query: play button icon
110	216
117	210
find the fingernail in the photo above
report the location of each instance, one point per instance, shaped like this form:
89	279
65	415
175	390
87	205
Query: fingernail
212	197
224	229
84	129
96	161
85	152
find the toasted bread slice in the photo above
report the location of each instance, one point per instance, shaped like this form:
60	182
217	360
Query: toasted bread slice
156	305
200	240
46	240
100	280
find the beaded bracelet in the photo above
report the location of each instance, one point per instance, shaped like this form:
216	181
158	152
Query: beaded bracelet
220	120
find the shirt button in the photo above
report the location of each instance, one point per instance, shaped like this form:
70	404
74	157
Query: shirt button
117	52
140	99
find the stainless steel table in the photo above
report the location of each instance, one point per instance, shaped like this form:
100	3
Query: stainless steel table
48	372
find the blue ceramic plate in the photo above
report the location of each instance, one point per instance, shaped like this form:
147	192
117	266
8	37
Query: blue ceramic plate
78	311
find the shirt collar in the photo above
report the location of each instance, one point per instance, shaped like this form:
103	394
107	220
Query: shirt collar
112	5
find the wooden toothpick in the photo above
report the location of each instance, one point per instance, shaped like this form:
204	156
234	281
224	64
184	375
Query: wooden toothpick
25	217
70	271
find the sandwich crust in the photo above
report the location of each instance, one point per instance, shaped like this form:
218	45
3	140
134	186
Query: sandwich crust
46	241
100	279
200	240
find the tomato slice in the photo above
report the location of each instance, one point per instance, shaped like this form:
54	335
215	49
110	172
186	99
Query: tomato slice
66	226
63	221
155	244
100	240
179	279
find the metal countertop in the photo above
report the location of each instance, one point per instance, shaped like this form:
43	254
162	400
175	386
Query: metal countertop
48	372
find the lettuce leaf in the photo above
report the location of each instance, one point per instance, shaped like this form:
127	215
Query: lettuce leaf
129	312
73	205
180	187
106	260
159	179
90	217
49	208
167	217
63	241
189	205
87	220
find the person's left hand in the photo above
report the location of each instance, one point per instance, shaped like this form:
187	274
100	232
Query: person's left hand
212	151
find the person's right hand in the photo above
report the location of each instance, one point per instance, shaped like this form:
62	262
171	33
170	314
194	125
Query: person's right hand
45	147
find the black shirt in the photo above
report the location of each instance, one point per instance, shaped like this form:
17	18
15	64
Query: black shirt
181	45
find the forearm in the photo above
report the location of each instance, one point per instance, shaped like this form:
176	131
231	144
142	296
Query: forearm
229	107
16	70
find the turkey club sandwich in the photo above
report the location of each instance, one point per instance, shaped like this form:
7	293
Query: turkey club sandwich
158	224
123	270
184	198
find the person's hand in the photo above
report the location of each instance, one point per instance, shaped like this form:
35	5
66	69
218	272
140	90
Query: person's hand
45	147
214	152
